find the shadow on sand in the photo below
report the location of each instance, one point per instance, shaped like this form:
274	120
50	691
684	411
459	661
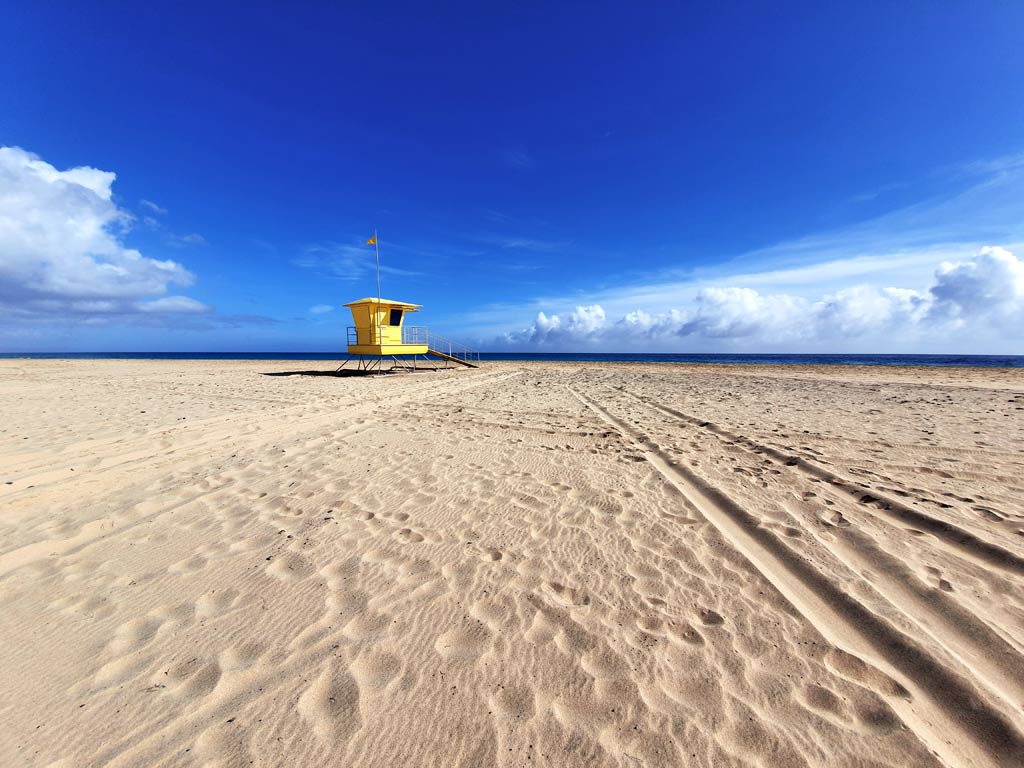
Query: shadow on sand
351	372
337	374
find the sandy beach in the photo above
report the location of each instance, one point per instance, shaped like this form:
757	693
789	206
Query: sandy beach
232	564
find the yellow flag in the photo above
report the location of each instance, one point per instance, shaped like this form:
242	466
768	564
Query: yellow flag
372	240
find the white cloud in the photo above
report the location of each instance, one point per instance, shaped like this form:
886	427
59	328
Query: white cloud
321	309
150	205
62	250
983	295
582	324
183	241
728	312
173	305
991	286
864	309
528	244
342	261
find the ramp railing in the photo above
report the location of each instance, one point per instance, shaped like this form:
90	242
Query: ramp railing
451	348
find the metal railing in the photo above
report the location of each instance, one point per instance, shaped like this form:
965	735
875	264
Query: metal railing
453	349
411	334
414	334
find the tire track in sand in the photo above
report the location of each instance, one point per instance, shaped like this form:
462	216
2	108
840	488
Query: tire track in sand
952	537
943	710
982	651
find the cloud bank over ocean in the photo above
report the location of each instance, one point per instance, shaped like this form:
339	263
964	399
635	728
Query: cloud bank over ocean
981	295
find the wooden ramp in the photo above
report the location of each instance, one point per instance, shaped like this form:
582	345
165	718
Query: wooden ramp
453	358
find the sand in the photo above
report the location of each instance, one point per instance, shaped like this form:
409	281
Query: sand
214	563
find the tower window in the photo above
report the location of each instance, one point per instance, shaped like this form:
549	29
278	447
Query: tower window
396	317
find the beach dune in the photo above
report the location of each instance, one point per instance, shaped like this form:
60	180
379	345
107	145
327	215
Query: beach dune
234	564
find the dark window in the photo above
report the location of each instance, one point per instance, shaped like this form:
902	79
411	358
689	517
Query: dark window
396	317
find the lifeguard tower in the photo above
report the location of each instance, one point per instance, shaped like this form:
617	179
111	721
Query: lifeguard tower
380	332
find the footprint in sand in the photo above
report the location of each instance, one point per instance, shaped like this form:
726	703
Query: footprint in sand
836	520
683	632
824	702
215	602
933	577
409	536
189	565
330	706
512	702
240	657
709	618
224	744
134	634
290	566
566	595
122	669
188	678
463	643
375	668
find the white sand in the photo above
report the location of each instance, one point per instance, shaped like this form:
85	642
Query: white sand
529	564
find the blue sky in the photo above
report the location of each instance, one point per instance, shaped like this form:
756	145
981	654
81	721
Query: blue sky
743	177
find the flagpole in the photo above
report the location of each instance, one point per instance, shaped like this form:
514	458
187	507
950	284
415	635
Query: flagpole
376	250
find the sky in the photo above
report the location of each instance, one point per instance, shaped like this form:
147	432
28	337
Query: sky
728	177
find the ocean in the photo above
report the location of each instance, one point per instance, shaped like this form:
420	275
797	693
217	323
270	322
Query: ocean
983	361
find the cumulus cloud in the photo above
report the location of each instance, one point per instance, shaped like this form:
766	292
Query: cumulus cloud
730	312
991	285
62	248
984	293
584	322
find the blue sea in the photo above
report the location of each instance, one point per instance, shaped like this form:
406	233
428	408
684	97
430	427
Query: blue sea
984	361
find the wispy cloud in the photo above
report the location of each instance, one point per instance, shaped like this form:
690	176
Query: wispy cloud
344	261
518	157
185	241
320	309
530	244
150	221
496	216
879	191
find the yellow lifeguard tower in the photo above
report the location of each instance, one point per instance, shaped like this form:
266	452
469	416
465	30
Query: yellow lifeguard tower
380	329
380	332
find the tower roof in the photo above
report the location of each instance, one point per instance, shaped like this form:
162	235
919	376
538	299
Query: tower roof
389	302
